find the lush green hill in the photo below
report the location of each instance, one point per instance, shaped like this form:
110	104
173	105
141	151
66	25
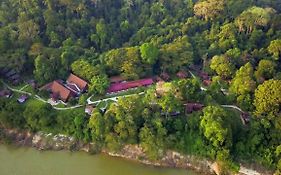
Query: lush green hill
237	42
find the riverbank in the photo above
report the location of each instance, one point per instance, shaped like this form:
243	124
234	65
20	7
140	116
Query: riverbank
43	141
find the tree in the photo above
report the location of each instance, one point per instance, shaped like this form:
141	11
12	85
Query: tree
99	84
243	82
102	33
209	9
228	37
39	116
96	125
84	69
222	66
254	17
214	127
28	31
43	70
152	136
268	99
149	53
169	103
190	89
265	70
275	48
176	55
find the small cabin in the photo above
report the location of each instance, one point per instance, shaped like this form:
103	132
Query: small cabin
191	107
6	93
89	109
182	74
22	98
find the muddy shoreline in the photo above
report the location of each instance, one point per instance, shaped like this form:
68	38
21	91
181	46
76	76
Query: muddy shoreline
43	141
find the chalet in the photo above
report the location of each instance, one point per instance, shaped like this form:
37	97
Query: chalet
6	93
204	75
191	107
182	74
245	118
116	87
22	98
158	79
10	73
207	82
76	84
165	76
89	109
116	79
59	91
32	83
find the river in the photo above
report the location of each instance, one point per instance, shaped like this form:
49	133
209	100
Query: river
28	161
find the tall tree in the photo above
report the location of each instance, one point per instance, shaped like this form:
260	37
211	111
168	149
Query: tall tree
149	53
222	66
275	48
268	98
209	9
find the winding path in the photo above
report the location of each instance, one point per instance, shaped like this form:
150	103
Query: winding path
233	107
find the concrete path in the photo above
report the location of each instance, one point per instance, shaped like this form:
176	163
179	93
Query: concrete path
233	107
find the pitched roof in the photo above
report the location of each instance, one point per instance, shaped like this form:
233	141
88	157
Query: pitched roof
62	91
82	84
128	85
116	79
182	74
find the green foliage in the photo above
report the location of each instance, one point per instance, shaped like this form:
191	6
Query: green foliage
268	98
216	131
275	48
11	114
135	39
265	70
222	66
254	17
96	124
190	90
149	53
84	69
152	137
38	116
176	55
209	9
99	84
243	82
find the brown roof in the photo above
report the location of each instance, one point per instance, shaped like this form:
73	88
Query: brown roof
182	74
116	79
190	107
82	84
62	91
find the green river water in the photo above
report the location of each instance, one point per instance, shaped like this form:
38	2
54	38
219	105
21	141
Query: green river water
28	161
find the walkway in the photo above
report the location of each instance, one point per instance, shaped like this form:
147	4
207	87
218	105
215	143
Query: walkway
110	98
16	90
233	107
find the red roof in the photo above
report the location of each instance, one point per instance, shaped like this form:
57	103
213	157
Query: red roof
82	84
207	82
128	85
204	75
182	74
62	91
165	76
190	107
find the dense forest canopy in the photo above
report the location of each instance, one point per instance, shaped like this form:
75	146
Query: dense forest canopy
237	42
